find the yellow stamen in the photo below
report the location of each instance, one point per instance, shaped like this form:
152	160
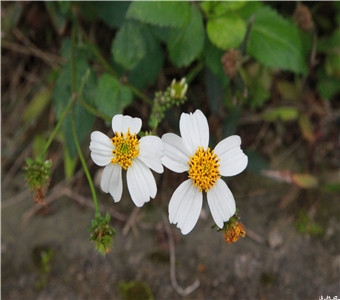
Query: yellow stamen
204	169
126	148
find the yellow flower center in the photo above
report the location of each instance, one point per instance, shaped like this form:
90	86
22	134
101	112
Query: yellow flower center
126	148
204	169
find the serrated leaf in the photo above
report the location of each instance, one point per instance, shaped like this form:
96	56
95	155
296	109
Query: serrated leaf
128	47
283	113
276	42
184	45
161	13
112	97
226	32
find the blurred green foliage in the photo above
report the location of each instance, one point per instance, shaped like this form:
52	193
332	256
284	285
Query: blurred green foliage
240	47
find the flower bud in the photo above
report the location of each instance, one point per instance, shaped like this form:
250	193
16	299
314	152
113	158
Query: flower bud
178	89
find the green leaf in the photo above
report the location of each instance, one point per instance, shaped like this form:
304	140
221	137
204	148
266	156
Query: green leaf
226	32
220	8
284	113
276	42
112	97
185	44
161	13
128	47
111	12
147	70
328	86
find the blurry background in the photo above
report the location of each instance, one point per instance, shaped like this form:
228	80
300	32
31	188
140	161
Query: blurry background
267	71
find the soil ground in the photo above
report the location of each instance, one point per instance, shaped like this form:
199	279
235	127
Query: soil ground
274	261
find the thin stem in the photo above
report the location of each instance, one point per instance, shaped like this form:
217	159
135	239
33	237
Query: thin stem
193	73
86	170
56	128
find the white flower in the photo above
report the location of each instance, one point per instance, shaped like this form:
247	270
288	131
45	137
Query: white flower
125	151
191	153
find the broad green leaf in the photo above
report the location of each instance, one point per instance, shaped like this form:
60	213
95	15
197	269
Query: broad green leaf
112	12
112	97
185	44
276	42
161	13
213	56
328	86
220	8
147	70
284	113
128	47
226	32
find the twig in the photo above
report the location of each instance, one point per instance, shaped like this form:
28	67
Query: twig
15	199
51	59
255	237
189	289
131	222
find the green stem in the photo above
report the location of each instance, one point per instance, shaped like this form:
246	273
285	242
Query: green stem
193	73
94	111
56	128
86	170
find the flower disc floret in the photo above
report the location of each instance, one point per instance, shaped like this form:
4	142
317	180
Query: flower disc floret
126	148
204	169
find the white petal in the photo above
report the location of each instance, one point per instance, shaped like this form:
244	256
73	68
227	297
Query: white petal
232	159
141	183
101	148
194	130
111	181
151	151
122	123
221	203
185	206
176	156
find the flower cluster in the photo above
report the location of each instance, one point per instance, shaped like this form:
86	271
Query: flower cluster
38	174
189	152
175	94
